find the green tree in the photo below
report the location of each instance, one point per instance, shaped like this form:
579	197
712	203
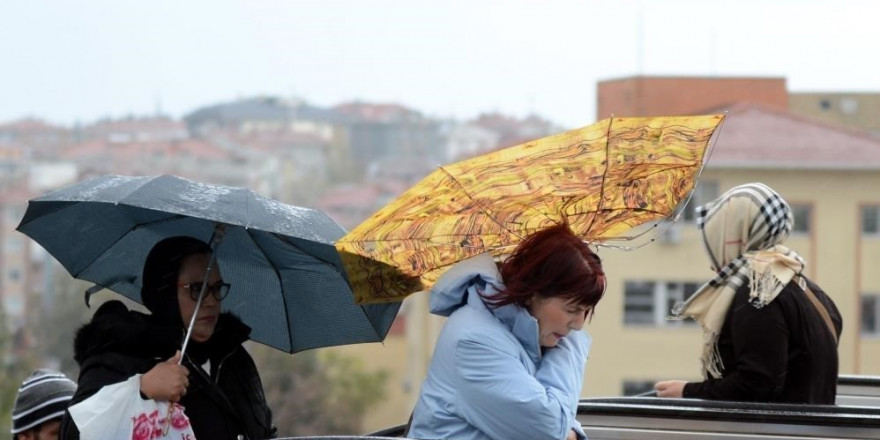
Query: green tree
57	319
17	364
312	394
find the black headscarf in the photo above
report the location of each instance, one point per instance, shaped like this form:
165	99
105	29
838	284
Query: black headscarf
161	270
159	295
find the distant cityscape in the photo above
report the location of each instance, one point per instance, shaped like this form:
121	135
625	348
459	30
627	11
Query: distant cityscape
822	150
347	160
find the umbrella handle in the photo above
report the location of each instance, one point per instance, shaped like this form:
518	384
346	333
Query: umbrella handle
216	240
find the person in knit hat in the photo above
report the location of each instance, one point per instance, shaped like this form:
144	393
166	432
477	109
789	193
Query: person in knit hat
40	404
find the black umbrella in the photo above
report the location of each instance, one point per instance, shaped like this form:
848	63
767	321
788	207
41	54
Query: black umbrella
287	279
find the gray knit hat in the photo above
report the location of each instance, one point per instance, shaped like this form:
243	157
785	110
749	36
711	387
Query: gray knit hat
42	397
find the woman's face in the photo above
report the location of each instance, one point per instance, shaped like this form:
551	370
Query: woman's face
556	317
192	271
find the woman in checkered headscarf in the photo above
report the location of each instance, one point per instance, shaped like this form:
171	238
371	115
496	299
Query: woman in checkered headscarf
770	334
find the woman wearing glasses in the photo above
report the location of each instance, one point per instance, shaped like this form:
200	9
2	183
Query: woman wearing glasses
216	382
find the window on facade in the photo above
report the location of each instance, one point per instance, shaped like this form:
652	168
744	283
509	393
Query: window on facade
706	191
635	387
639	302
849	106
871	314
648	303
871	219
13	244
803	216
14	215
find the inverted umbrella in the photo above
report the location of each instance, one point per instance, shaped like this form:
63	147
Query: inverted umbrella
603	180
288	283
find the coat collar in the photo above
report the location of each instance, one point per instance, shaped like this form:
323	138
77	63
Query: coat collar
115	328
463	284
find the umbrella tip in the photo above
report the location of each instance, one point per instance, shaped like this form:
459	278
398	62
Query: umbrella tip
91	291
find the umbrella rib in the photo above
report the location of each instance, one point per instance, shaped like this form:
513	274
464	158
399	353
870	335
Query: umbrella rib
483	207
287	240
250	235
604	174
388	239
146	182
713	139
135	227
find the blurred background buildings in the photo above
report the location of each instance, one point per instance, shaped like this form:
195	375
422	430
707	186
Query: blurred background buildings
819	150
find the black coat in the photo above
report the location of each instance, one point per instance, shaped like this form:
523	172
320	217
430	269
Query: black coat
221	404
783	352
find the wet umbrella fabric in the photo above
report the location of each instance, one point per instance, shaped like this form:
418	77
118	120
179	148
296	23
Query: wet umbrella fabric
605	180
288	283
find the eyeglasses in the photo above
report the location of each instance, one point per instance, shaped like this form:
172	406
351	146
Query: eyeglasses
218	290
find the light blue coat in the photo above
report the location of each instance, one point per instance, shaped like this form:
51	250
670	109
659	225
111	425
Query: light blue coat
488	378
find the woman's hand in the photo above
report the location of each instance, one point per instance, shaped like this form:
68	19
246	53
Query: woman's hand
167	381
571	435
670	388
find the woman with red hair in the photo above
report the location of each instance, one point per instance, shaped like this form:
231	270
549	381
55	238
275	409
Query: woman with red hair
509	363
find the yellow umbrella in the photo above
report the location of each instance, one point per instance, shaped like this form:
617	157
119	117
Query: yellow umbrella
604	180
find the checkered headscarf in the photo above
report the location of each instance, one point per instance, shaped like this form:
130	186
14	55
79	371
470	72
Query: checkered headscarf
42	397
742	231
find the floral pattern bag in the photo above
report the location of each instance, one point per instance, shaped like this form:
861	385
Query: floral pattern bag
117	411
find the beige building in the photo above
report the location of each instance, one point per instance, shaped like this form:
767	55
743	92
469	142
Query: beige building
830	176
857	110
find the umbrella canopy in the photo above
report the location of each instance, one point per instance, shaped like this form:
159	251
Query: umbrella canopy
288	283
603	180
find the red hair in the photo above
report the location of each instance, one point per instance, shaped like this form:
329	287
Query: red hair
553	262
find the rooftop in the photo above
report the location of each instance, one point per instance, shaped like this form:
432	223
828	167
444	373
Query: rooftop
755	136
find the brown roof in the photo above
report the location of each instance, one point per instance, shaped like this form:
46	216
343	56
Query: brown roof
17	194
754	136
361	195
275	140
30	125
377	112
684	95
139	123
135	150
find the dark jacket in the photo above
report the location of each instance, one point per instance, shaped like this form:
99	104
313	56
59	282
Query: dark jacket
221	404
783	352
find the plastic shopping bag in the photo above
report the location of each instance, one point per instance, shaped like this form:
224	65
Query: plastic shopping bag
117	411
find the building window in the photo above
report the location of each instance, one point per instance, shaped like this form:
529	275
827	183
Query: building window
648	303
849	106
871	314
825	104
13	244
638	302
706	191
803	218
871	220
636	387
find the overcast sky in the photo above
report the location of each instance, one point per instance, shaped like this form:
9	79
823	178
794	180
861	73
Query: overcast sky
68	61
